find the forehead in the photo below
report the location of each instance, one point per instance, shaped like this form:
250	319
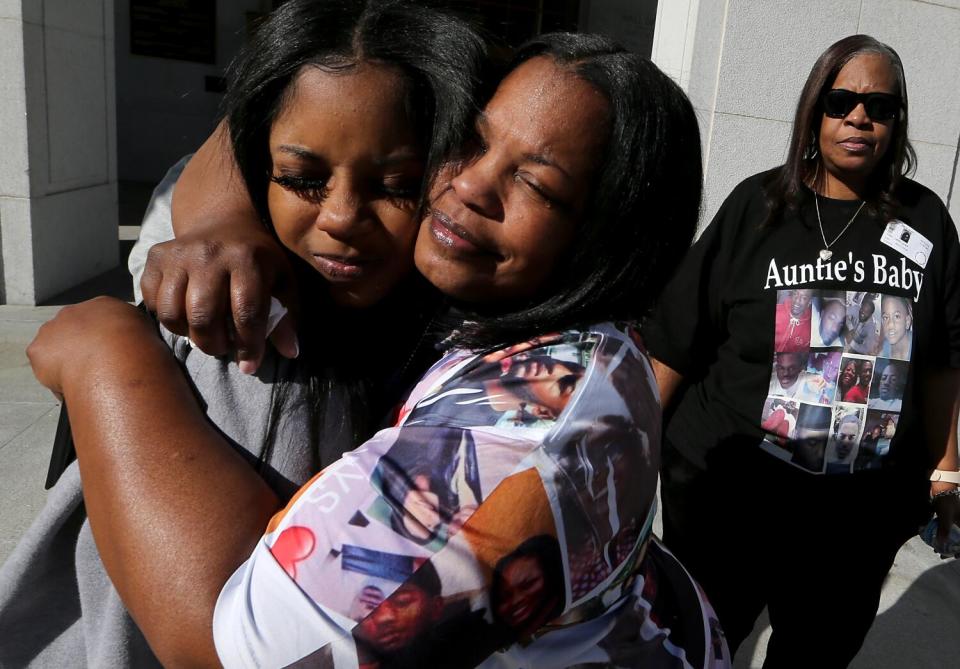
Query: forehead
522	566
549	110
362	106
789	358
867	72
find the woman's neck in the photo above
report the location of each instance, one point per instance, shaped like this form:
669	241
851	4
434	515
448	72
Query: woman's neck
838	187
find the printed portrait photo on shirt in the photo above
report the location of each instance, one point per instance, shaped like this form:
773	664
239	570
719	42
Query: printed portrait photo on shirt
853	382
602	473
429	483
829	319
598	487
819	385
896	326
807	442
518	588
529	388
779	420
844	436
878	430
789	373
813	425
890	380
794	314
863	323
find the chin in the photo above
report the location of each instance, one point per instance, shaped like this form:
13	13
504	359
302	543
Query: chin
355	299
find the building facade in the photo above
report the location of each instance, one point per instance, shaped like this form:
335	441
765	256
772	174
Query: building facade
104	91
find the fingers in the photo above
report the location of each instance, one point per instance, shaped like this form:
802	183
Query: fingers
207	305
250	306
217	293
163	290
284	338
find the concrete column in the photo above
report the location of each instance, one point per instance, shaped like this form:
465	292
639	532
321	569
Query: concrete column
58	195
743	63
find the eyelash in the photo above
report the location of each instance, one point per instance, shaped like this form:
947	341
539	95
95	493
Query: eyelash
538	191
316	190
480	148
313	190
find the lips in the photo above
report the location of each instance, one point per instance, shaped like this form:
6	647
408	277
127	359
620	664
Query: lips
338	268
454	236
856	144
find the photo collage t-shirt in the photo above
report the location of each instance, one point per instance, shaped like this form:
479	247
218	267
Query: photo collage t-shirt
505	520
814	354
840	366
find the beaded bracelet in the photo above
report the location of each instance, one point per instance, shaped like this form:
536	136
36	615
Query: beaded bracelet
946	493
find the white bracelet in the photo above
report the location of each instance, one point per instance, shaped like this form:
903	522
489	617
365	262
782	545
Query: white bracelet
946	476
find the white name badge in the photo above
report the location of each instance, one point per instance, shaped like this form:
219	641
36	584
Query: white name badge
902	238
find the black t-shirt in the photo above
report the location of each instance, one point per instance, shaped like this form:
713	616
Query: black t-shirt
813	359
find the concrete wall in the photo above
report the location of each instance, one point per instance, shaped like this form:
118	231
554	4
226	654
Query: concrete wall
743	63
58	167
163	111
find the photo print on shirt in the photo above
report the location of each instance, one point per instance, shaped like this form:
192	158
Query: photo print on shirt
878	431
846	352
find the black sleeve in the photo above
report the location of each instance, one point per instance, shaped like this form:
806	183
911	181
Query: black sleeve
687	325
951	291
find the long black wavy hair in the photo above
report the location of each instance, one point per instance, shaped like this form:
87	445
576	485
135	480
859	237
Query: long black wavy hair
804	168
440	59
642	208
438	54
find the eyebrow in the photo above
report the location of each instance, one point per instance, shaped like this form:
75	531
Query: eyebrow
400	156
298	151
542	158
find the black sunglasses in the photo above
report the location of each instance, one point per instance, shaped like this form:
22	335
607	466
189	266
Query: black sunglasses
839	102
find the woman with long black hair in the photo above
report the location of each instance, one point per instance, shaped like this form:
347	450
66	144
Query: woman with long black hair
813	539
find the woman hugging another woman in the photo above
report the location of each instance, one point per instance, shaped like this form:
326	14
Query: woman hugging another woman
503	518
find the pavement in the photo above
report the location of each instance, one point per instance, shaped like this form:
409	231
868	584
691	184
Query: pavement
918	626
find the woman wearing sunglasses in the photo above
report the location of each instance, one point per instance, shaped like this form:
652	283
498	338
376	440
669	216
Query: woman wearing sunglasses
816	538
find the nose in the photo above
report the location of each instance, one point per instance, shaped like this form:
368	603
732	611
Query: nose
476	185
384	614
341	213
858	116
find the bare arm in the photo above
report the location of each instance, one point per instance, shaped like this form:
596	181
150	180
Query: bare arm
174	510
668	380
211	189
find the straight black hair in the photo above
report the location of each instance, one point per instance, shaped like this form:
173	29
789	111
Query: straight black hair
439	59
643	206
439	55
803	169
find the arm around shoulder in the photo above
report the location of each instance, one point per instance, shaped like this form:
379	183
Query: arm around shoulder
173	508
